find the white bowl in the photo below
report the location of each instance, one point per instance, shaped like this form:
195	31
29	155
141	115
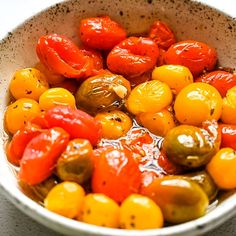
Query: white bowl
190	20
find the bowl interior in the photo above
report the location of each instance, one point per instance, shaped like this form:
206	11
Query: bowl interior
188	19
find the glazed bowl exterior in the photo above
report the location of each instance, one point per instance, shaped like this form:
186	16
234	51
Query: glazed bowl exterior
189	20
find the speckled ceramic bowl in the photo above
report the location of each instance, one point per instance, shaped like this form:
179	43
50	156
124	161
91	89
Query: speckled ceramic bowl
189	19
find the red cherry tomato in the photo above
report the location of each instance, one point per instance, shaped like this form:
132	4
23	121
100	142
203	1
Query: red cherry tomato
136	80
20	139
133	56
101	33
40	121
160	60
69	84
221	80
41	154
195	55
76	122
116	174
228	136
62	56
162	35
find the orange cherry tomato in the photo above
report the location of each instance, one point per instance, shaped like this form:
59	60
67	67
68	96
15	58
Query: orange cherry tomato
101	33
76	122
116	174
221	80
162	35
133	56
228	135
19	141
41	154
195	55
63	57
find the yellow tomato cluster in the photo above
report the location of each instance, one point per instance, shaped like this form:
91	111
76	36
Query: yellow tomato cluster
136	212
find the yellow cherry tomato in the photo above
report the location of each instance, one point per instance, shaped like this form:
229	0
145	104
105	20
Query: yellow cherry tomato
115	124
140	212
196	103
222	168
151	96
28	83
228	115
51	77
98	209
176	76
159	123
19	112
55	97
65	199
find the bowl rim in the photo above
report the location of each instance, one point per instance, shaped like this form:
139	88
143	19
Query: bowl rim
223	212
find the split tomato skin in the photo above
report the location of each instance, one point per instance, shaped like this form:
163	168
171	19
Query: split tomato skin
101	33
133	56
221	80
41	154
197	56
116	174
228	136
76	122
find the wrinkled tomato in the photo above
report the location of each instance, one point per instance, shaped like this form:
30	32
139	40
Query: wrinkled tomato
228	136
133	56
41	154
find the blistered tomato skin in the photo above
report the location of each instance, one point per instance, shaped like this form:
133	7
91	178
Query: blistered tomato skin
222	168
56	97
191	146
176	76
102	93
133	56
101	33
228	136
99	209
63	57
180	200
115	124
197	56
221	80
75	163
65	199
196	103
41	154
20	140
229	107
19	113
116	174
162	35
151	96
140	212
76	122
28	83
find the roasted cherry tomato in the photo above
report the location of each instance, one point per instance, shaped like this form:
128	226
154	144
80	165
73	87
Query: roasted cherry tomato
77	123
133	56
228	136
228	115
41	154
63	57
136	80
198	102
68	84
221	80
20	140
140	212
180	199
161	34
222	168
160	60
101	33
195	55
116	174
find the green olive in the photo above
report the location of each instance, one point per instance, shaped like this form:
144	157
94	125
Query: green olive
191	146
75	163
205	181
102	93
180	199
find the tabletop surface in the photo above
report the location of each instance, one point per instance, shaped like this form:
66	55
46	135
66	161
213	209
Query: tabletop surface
12	221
